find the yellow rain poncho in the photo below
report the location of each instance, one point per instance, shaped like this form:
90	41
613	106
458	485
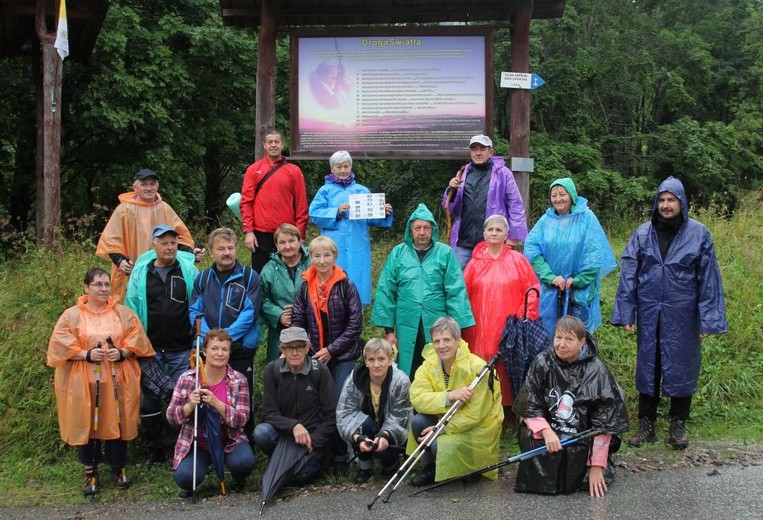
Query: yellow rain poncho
128	233
80	328
471	440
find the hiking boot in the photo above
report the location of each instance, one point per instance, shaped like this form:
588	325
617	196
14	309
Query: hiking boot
152	457
185	493
363	475
91	483
424	477
644	434
677	439
120	478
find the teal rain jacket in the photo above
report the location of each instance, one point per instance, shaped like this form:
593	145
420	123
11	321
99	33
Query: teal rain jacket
410	291
278	290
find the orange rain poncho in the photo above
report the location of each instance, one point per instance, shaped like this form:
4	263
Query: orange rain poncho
80	328
496	288
128	232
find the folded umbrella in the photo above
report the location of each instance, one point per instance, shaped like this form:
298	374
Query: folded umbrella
521	341
212	433
287	459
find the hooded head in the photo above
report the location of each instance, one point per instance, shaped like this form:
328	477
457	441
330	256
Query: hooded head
569	186
674	186
421	213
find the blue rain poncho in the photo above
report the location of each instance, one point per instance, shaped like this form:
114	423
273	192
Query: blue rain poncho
570	245
674	299
351	236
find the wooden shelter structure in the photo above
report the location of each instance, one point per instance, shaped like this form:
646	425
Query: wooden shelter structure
272	15
28	28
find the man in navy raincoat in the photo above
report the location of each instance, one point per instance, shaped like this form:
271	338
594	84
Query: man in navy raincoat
671	283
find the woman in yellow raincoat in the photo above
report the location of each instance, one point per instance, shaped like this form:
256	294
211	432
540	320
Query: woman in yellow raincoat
471	439
93	348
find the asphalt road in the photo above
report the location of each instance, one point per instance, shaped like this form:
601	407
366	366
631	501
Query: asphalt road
706	492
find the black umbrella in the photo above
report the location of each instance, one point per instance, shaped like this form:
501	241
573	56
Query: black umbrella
287	459
210	419
521	341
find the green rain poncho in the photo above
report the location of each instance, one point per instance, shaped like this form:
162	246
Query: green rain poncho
472	437
410	290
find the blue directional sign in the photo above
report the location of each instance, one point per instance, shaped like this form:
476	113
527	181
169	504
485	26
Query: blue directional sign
536	81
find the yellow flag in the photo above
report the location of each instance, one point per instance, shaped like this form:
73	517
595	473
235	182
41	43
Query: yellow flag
62	34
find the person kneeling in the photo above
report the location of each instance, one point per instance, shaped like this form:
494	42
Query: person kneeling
569	390
225	395
374	410
470	441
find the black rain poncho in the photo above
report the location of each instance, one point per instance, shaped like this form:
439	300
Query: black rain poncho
572	397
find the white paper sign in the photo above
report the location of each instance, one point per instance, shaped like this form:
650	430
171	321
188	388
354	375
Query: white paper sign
366	206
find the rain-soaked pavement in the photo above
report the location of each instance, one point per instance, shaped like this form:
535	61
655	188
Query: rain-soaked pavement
706	492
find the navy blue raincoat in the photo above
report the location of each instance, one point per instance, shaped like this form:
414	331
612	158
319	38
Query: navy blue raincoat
678	297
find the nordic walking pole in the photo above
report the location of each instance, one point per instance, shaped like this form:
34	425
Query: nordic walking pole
411	461
95	417
114	383
197	331
540	450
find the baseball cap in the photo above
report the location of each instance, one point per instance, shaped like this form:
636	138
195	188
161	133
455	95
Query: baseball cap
162	229
481	139
145	173
293	334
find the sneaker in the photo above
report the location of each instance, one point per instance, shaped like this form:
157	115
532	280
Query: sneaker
424	477
91	483
644	434
363	475
120	478
677	439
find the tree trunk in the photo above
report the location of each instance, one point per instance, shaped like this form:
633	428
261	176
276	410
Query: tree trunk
265	102
48	83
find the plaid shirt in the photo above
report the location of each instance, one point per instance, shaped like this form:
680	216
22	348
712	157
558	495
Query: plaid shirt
236	414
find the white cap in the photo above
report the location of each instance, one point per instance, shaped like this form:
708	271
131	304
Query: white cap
481	139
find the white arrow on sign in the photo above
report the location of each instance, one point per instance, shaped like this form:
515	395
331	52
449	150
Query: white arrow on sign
521	80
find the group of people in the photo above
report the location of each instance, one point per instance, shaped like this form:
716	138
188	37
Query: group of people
442	307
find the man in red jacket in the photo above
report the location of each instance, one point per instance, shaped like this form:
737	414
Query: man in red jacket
273	193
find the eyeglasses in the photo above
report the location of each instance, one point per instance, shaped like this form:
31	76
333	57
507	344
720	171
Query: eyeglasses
100	285
293	348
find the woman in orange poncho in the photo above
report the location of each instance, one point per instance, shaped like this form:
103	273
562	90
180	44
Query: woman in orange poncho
497	278
93	348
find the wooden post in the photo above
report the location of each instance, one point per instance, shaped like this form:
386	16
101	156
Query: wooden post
265	97
519	133
48	86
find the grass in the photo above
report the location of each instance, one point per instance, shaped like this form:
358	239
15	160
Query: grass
37	469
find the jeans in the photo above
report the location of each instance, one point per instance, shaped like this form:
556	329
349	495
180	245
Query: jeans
463	255
240	461
242	360
92	453
387	457
266	437
419	423
340	371
152	418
